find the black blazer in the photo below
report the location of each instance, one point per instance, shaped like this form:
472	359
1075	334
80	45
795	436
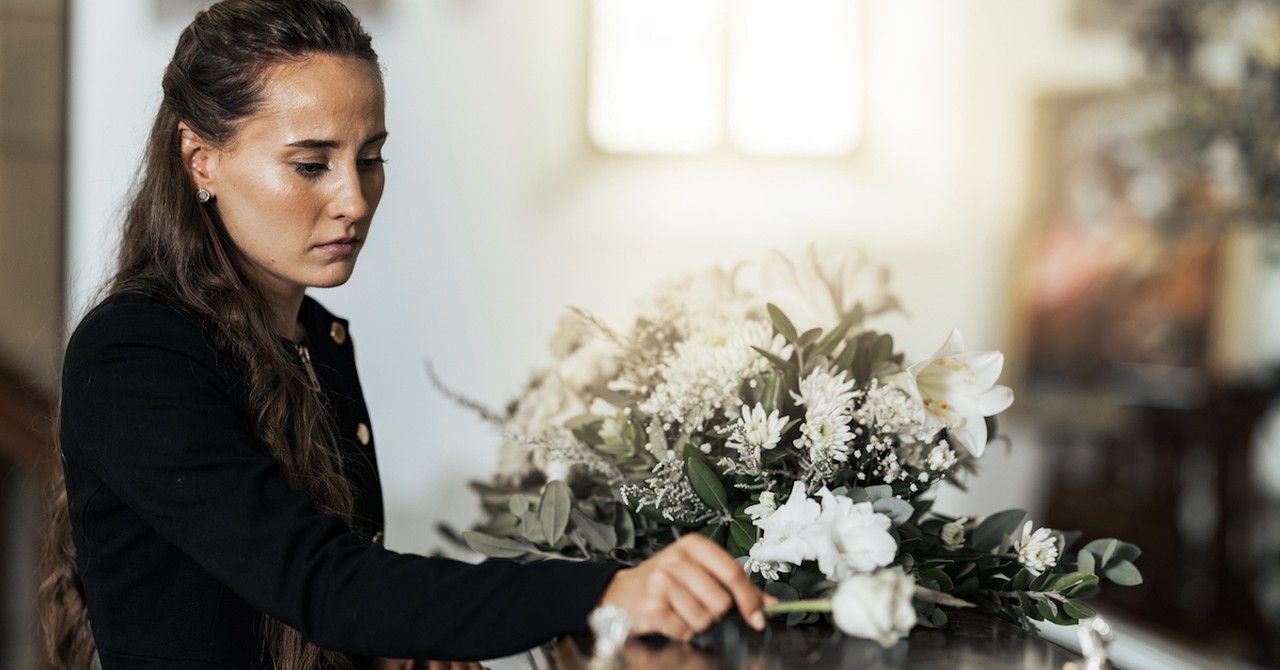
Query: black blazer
186	533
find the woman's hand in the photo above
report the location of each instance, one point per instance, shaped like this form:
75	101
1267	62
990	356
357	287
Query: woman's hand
684	589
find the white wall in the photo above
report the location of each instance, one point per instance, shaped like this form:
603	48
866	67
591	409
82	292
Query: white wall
497	215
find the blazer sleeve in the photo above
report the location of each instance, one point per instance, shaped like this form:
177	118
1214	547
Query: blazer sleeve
149	408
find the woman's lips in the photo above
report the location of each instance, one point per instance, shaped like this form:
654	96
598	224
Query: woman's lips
343	247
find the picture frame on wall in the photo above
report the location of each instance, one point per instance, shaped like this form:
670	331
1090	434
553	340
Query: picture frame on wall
1116	281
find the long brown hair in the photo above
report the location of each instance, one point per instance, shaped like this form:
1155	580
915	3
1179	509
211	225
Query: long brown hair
177	248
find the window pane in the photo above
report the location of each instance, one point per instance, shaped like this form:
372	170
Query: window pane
795	82
656	75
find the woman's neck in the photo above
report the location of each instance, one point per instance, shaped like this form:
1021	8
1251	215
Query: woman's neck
284	313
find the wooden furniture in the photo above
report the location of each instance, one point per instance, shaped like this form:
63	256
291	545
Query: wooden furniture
1176	480
970	640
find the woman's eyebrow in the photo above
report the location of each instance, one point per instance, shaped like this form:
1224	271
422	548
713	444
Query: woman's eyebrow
315	144
333	144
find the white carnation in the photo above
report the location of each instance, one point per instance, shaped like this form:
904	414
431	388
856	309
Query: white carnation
849	538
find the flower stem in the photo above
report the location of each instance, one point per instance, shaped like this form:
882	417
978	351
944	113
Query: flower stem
817	605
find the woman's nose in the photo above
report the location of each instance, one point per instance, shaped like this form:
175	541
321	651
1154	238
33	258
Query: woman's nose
350	200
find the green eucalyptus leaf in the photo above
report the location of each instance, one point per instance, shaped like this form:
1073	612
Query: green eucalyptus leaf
503	524
518	504
858	494
993	529
602	536
495	547
938	617
781	323
715	532
743	533
771	396
1126	552
1041	582
553	510
706	484
939	578
779	363
735	546
879	491
1046	608
844	362
1123	573
624	526
883	350
1085	562
898	510
1069	583
1108	550
829	341
782	591
1077	610
1020	580
532	527
808	337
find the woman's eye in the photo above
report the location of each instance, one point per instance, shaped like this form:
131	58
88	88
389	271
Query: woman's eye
371	162
310	169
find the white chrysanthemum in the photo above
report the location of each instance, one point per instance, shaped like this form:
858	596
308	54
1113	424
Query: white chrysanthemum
826	436
825	393
1037	551
700	380
757	430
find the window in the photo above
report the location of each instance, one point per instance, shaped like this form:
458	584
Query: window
682	77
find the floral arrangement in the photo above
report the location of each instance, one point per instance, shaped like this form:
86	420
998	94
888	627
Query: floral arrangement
758	408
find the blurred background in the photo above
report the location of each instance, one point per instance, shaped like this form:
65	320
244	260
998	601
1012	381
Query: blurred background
1090	186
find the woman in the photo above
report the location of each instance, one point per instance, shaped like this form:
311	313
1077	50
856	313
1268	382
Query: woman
221	505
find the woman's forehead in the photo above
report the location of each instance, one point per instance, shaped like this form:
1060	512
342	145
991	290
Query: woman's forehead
320	97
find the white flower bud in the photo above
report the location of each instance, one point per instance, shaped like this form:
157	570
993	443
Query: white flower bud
952	534
875	606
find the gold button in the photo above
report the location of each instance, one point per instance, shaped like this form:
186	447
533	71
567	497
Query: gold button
362	433
338	332
377	537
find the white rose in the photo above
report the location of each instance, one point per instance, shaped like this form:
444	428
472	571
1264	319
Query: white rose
876	606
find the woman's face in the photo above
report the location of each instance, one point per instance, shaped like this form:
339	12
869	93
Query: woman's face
298	184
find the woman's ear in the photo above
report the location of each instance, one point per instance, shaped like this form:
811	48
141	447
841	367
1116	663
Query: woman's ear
198	157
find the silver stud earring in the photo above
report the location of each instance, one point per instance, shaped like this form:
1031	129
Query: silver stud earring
203	195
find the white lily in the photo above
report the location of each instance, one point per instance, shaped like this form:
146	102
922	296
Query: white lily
958	390
825	287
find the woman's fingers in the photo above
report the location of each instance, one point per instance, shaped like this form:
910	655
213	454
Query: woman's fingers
684	589
729	575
